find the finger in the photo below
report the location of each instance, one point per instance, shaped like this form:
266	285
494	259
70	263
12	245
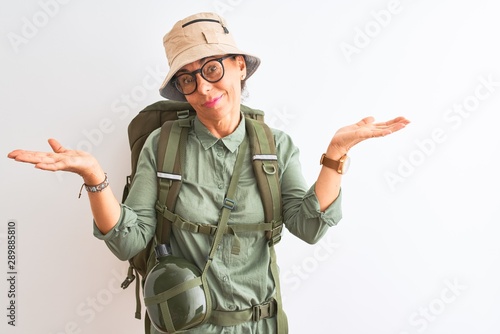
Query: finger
378	133
397	120
56	146
365	121
401	119
398	124
14	154
389	127
21	155
32	157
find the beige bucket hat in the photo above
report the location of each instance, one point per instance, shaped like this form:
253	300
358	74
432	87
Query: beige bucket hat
198	36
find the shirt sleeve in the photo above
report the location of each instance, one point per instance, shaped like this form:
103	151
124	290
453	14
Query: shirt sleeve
136	226
301	213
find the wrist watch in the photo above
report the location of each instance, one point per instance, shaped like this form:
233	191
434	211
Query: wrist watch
341	166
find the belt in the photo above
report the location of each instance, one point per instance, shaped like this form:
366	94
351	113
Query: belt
255	313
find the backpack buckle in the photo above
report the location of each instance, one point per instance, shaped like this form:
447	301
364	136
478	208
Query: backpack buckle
182	114
229	203
130	278
274	235
264	310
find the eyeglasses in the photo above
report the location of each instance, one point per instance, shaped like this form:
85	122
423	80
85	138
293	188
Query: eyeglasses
212	71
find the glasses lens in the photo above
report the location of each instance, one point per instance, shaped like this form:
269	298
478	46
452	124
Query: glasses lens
212	71
186	83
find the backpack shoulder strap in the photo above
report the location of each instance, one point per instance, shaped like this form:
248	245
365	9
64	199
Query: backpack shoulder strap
265	165
148	120
171	152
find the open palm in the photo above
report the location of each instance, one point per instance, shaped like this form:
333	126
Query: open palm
348	136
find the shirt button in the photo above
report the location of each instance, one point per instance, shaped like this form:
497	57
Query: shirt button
231	307
220	154
220	186
225	278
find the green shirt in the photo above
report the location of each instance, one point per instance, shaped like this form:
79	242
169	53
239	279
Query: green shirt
237	281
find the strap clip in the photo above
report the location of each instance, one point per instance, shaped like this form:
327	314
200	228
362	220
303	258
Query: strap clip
274	235
264	310
229	203
181	114
160	208
130	278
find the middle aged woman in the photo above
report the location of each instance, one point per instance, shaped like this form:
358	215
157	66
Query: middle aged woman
208	71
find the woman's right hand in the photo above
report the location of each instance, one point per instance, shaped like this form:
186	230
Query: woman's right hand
62	159
105	207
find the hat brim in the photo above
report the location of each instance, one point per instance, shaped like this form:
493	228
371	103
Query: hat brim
198	52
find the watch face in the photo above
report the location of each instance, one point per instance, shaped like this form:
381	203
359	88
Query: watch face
346	162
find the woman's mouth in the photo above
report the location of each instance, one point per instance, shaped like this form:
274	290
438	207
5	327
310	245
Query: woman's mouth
212	103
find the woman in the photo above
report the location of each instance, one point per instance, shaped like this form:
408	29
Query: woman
208	71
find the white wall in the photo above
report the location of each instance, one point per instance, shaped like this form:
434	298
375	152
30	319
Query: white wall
417	250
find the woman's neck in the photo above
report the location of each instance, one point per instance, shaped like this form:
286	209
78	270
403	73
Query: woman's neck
223	126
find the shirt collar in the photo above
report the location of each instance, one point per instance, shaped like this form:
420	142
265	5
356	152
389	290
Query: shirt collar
231	142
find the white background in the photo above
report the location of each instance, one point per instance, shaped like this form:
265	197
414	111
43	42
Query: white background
417	250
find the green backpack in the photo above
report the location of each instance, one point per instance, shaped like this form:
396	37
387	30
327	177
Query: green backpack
175	119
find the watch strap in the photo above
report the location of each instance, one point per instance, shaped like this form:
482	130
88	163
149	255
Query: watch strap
330	163
337	165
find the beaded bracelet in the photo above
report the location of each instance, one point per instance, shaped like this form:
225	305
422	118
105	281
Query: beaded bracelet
97	188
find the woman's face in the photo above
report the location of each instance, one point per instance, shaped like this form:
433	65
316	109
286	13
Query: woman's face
217	99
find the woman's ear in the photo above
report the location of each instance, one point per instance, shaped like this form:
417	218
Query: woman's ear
242	65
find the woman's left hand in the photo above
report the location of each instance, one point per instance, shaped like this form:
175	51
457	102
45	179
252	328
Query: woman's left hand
348	136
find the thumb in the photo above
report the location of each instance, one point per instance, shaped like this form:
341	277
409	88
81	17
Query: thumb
56	146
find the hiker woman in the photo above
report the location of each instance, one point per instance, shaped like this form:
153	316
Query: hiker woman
208	70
